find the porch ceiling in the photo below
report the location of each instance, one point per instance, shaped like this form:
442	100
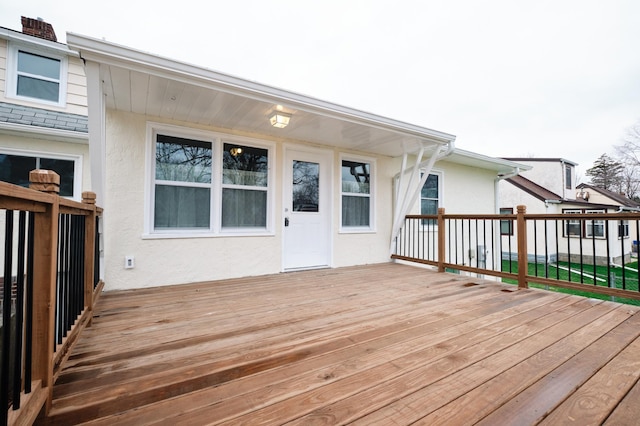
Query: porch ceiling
142	83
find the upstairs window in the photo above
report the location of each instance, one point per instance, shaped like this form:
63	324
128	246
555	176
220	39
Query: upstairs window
568	172
37	76
356	189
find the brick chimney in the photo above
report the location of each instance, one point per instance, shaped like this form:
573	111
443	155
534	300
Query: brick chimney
38	28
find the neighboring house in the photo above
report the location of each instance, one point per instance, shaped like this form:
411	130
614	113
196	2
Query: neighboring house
555	193
43	108
207	176
593	194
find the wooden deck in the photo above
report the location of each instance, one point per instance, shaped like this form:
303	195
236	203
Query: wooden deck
381	344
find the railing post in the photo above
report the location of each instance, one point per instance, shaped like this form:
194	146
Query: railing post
89	198
523	262
44	279
441	239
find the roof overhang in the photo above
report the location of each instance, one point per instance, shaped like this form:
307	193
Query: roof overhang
143	83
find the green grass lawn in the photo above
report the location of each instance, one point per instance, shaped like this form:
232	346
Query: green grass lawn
583	276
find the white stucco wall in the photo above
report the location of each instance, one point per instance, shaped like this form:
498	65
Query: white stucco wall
164	261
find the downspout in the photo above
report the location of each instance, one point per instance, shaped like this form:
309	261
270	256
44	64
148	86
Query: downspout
403	206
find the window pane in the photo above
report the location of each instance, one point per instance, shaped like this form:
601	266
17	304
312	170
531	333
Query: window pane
183	160
15	169
38	65
181	207
40	89
355	211
430	188
306	181
244	165
244	208
356	177
65	168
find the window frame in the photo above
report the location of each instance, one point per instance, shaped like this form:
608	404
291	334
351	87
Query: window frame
216	186
593	223
584	224
568	176
508	222
371	195
623	225
428	222
11	84
77	166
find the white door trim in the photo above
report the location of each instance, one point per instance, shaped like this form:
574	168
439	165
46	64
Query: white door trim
324	157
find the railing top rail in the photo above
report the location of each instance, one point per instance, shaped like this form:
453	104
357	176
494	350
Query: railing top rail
10	193
14	197
534	216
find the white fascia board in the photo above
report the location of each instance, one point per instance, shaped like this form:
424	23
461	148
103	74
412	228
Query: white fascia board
121	56
40	43
491	160
44	133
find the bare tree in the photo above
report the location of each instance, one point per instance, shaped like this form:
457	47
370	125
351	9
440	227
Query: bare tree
629	151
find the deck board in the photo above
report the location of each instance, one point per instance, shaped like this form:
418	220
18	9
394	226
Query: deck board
377	344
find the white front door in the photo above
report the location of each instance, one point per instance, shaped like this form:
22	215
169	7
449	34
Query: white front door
307	208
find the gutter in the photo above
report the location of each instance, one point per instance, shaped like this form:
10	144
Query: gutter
496	191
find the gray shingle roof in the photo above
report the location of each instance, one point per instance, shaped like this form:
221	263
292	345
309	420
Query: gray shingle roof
28	116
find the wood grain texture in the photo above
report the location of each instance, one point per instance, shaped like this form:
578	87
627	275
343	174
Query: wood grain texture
376	344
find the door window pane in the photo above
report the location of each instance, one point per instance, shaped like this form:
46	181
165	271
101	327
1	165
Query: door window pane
306	181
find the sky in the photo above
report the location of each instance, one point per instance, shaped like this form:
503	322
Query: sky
509	78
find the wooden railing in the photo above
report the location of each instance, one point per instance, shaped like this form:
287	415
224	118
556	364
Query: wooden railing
585	252
50	252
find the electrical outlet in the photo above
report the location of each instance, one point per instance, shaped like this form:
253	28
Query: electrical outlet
129	262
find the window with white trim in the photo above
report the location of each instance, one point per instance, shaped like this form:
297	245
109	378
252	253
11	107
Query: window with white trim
572	227
36	75
594	228
430	195
208	183
356	193
15	168
183	170
245	180
623	229
589	228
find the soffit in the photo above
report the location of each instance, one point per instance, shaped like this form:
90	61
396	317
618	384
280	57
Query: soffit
141	83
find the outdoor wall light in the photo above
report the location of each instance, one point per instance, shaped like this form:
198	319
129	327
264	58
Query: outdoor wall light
235	151
279	119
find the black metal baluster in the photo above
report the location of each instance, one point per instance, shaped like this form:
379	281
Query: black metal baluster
17	349
535	246
621	233
6	317
28	332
